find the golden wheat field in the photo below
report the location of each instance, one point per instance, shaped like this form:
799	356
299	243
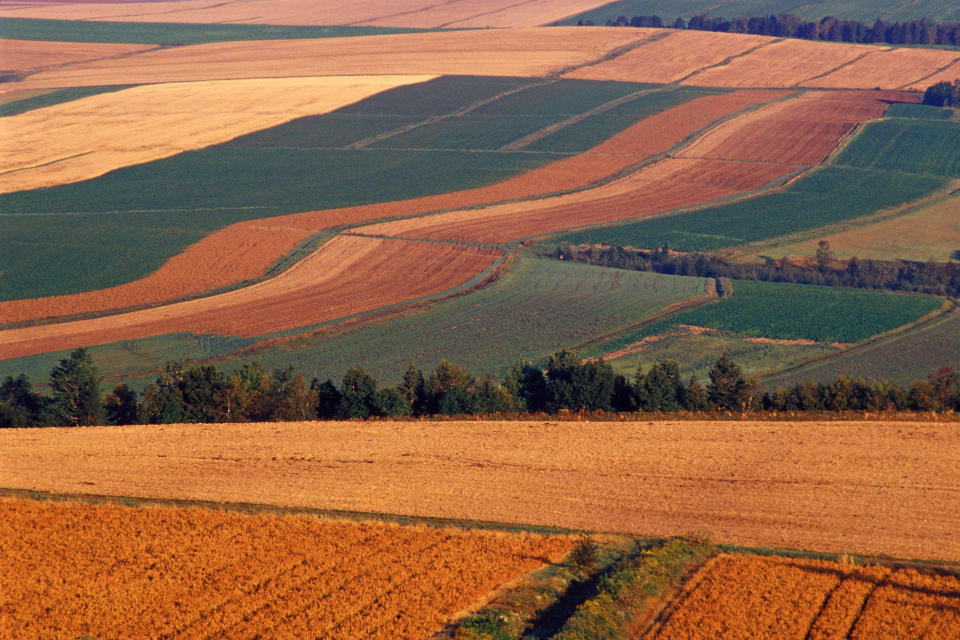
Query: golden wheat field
748	597
855	487
116	571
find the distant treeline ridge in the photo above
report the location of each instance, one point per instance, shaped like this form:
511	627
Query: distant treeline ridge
787	25
203	393
935	278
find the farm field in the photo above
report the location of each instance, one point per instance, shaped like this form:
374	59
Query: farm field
890	10
519	316
199	573
335	282
419	13
742	597
850	487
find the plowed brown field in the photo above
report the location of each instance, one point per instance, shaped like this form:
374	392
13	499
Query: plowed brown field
512	52
413	13
24	55
246	250
737	597
672	58
786	63
894	68
85	138
665	185
857	487
348	275
803	130
119	572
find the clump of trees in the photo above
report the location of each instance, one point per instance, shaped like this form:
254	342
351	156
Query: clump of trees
566	383
787	25
943	94
936	278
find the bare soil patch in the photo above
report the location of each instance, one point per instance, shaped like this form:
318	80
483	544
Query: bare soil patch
870	487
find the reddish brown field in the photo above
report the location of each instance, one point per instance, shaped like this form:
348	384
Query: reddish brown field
412	13
348	275
787	63
516	52
893	68
69	569
743	598
25	55
803	130
671	58
869	487
669	184
246	250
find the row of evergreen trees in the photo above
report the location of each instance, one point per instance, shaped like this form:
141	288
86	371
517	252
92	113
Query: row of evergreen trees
787	25
203	393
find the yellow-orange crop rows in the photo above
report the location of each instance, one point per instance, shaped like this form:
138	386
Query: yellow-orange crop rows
85	138
671	58
743	598
786	63
68	569
892	68
501	52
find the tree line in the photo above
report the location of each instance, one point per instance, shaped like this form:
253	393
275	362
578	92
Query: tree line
787	25
943	94
934	278
567	383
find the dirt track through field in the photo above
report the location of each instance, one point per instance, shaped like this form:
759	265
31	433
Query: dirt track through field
859	487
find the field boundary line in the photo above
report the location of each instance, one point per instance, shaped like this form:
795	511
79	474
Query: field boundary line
728	60
615	53
254	508
953	63
804	83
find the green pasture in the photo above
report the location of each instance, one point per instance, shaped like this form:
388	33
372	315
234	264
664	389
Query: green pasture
900	358
914	146
786	311
171	33
698	353
125	224
862	10
919	111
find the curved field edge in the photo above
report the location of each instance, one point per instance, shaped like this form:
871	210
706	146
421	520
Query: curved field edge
250	573
381	175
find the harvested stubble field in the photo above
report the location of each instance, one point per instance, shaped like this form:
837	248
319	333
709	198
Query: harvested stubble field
871	487
25	55
496	52
414	13
116	571
744	597
86	138
347	276
907	66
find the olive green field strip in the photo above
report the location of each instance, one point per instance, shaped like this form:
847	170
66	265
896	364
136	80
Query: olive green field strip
891	162
532	309
125	224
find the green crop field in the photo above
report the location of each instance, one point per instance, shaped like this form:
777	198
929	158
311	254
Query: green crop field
889	163
920	111
786	311
125	224
901	358
862	10
170	33
583	134
54	97
825	197
535	308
